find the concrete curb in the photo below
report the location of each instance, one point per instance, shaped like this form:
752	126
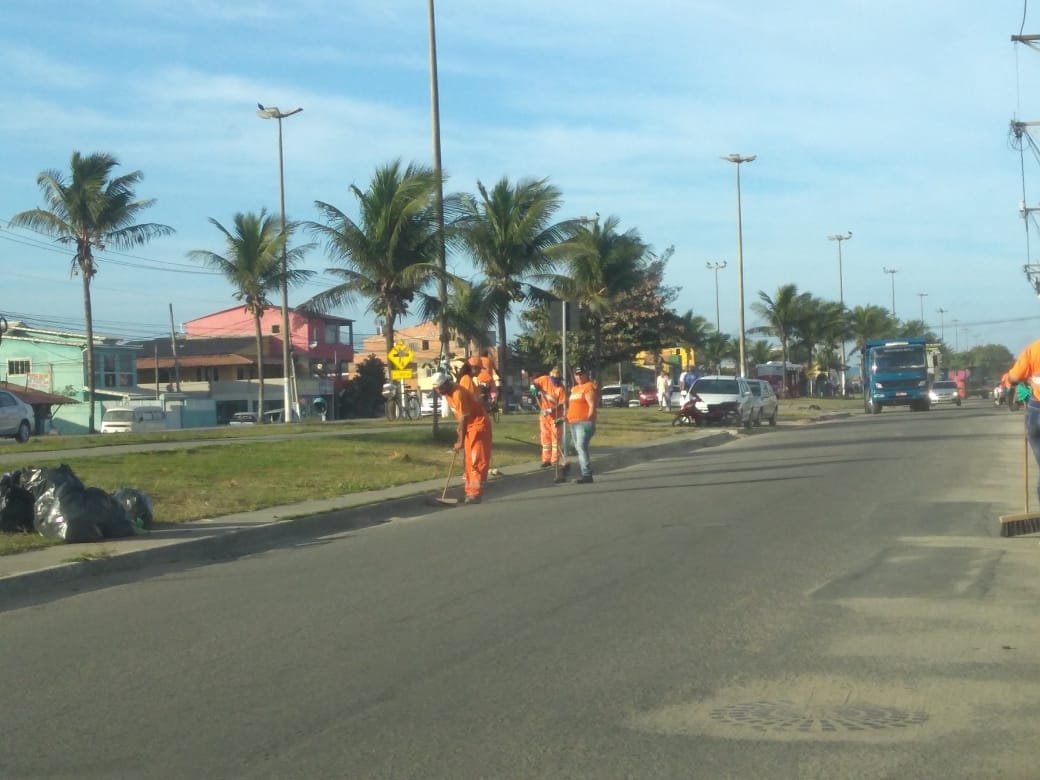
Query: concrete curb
231	537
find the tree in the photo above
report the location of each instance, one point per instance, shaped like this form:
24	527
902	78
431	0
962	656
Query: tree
91	210
253	266
470	313
781	314
508	231
870	322
391	253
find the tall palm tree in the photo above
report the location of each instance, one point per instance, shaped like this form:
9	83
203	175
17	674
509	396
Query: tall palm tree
91	210
716	348
781	314
507	231
601	264
470	313
252	263
391	253
870	322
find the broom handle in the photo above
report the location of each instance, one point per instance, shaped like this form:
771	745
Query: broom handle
451	469
1025	467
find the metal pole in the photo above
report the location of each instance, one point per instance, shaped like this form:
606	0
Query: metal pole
737	159
442	282
892	272
942	332
272	112
922	296
841	300
715	267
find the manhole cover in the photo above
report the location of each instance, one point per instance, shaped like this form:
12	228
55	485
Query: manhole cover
769	716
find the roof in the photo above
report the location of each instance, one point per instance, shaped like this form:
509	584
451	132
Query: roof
37	397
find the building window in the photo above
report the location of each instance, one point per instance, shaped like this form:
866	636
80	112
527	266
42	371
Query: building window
425	346
276	329
19	367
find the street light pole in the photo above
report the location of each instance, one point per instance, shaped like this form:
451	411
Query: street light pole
716	267
922	296
956	336
737	159
841	299
892	272
941	331
272	112
442	266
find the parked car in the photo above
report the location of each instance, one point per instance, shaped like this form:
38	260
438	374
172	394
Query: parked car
133	419
613	395
426	405
945	392
242	418
766	403
648	396
727	398
16	417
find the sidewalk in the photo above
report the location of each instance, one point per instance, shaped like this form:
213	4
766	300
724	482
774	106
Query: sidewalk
238	534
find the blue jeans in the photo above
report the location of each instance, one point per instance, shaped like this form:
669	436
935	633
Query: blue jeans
1033	433
583	432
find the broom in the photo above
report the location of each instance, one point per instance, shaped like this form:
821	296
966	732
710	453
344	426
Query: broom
1025	522
444	500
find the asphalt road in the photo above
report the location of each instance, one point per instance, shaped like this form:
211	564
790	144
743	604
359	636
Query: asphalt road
825	601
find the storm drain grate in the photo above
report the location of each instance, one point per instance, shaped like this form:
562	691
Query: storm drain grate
787	716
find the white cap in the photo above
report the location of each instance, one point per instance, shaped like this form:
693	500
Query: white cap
440	379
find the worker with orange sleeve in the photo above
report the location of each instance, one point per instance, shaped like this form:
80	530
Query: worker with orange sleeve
582	405
1026	373
486	377
474	433
551	397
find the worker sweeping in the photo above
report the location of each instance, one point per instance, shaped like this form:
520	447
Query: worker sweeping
551	397
474	433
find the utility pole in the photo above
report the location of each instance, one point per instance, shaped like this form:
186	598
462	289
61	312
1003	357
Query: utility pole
716	267
922	296
841	300
941	332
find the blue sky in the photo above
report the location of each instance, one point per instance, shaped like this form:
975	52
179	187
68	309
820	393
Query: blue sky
885	118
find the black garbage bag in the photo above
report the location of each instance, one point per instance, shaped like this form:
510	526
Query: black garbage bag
62	510
16	505
107	513
138	507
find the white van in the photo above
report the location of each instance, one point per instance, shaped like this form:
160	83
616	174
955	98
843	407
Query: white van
134	419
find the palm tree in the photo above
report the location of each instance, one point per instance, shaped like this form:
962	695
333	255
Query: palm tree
781	313
601	265
391	253
870	322
716	348
253	266
470	313
694	330
91	211
508	232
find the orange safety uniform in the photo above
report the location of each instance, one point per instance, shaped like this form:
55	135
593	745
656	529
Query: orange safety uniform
474	435
583	404
552	401
1026	370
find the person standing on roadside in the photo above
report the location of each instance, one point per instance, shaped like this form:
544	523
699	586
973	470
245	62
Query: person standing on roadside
1026	372
552	402
582	405
473	434
664	391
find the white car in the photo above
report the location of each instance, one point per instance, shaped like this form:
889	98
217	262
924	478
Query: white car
16	417
725	398
766	403
426	405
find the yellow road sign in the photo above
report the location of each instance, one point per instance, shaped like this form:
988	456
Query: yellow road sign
402	373
400	355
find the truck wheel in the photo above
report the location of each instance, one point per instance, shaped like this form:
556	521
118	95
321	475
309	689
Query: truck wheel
875	407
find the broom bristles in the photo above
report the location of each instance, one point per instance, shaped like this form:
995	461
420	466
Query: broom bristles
1020	524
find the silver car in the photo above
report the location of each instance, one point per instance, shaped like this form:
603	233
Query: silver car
766	404
726	399
945	392
16	417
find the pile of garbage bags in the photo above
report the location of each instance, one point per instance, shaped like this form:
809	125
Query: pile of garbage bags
55	503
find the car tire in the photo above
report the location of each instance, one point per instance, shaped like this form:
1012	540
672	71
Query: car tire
23	432
772	419
747	423
757	422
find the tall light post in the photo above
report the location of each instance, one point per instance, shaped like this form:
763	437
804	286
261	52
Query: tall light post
956	336
922	296
737	159
892	272
272	112
839	237
442	265
941	323
716	267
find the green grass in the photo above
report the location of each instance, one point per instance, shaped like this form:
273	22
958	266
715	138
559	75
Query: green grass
254	472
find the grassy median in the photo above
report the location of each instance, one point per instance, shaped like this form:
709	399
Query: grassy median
256	467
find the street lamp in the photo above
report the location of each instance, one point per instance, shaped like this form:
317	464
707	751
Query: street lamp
737	159
272	112
841	299
716	267
941	332
922	296
892	272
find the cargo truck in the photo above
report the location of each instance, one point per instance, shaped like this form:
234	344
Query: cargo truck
897	372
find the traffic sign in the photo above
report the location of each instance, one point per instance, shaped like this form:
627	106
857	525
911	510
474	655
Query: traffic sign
402	373
400	355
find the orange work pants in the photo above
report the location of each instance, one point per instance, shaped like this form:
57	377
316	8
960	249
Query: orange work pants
550	435
477	452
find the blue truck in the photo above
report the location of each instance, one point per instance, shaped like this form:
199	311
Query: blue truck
897	372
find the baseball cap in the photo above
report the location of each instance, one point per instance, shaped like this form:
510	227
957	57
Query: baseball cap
440	379
578	370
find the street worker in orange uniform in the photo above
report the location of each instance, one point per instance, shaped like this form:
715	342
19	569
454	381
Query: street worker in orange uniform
551	397
582	406
1026	372
484	373
464	377
474	433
